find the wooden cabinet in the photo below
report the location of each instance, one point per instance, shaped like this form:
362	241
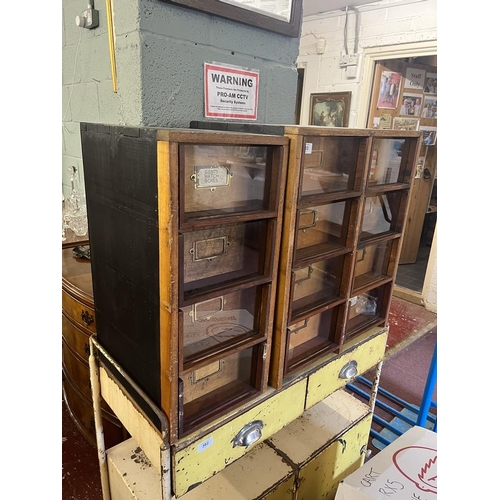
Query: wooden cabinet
185	230
78	324
346	204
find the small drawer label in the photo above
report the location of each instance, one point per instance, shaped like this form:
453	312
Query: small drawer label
309	148
205	444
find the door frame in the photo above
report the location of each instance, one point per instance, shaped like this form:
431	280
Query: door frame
371	56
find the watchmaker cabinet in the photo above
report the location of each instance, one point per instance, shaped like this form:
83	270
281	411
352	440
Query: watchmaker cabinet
185	229
347	199
240	278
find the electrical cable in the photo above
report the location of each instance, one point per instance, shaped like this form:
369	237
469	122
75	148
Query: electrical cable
345	31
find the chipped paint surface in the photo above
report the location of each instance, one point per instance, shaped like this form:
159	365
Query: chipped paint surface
192	465
326	380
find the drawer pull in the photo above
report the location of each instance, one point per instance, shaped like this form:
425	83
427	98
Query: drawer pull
251	433
349	370
87	318
86	348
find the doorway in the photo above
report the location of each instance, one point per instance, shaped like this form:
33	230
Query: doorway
415	280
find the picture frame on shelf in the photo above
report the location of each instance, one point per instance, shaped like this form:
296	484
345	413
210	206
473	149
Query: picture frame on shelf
330	109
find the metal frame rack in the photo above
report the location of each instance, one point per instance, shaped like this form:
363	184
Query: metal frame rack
402	417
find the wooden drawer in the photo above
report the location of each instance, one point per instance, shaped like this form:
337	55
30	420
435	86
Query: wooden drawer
76	338
199	460
78	373
82	413
82	314
324	444
364	354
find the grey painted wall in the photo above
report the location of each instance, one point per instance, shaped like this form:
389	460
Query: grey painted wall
160	51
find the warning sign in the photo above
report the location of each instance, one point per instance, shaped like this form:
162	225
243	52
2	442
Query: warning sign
231	92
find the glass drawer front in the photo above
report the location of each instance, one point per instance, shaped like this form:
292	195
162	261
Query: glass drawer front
221	179
224	254
386	162
381	215
316	284
210	390
329	164
373	262
310	338
214	324
365	309
320	229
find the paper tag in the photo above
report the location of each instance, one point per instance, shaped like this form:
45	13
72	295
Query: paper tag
205	444
309	148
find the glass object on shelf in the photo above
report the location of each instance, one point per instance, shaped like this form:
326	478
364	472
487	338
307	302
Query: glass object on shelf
329	164
76	206
386	161
381	215
225	180
374	262
225	255
316	284
211	325
322	229
366	309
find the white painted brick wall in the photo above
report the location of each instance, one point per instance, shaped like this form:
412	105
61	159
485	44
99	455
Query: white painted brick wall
386	23
383	24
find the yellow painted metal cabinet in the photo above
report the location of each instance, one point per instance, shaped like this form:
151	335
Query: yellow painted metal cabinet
325	444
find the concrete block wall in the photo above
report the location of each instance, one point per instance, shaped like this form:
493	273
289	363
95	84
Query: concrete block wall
380	24
160	50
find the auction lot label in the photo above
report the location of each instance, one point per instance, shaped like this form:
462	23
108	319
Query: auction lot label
231	92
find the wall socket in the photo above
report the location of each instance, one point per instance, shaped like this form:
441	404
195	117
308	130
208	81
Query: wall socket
88	19
349	60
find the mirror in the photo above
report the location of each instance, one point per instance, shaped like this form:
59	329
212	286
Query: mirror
279	16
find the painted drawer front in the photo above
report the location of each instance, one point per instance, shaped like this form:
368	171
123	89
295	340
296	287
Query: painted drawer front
82	314
260	474
324	442
212	453
320	477
327	379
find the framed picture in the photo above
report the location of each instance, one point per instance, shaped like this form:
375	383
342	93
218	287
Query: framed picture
281	17
330	109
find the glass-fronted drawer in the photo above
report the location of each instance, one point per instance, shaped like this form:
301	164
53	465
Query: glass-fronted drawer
218	180
223	256
374	262
330	164
312	337
214	389
386	165
210	326
316	284
382	215
366	309
323	229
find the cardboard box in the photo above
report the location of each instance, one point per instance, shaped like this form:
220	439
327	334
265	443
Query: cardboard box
404	470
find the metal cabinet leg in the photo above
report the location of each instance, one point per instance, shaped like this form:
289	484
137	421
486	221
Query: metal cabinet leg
99	429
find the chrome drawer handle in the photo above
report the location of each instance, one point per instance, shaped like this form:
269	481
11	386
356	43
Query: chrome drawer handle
87	318
349	370
251	433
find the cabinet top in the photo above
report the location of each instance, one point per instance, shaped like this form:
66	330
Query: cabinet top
77	276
